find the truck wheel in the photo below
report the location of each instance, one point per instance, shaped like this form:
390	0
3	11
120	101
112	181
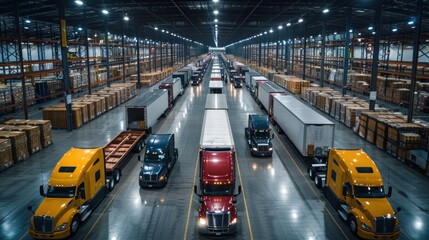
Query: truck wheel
353	224
74	226
111	185
117	176
311	172
318	181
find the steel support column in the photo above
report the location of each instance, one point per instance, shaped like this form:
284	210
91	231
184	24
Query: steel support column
138	58
64	49
322	54
260	53
88	69
415	60
106	45
123	51
21	61
374	73
304	62
346	49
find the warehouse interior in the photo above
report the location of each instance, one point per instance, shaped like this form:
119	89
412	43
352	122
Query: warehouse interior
69	71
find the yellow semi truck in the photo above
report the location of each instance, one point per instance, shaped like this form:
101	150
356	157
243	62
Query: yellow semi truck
79	181
353	184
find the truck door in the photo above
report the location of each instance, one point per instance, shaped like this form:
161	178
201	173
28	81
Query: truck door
336	177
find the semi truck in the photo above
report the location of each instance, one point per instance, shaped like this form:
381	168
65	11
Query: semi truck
353	184
215	77
238	82
145	115
266	91
183	78
217	214
216	101
188	72
258	135
159	160
78	183
311	133
216	86
174	88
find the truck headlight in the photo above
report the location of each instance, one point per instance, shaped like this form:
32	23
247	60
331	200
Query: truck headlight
255	149
140	176
365	227
202	222
270	149
162	178
234	221
61	227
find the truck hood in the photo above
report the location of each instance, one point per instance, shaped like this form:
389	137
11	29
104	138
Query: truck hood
375	207
261	140
53	207
217	203
152	168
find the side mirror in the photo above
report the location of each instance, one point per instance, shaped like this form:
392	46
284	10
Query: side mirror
398	209
389	192
272	136
234	201
239	191
139	158
42	191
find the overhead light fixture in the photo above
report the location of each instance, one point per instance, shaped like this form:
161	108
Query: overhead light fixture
373	33
215	25
216	20
27	20
162	30
370	28
156	28
105	12
325	10
351	30
280	27
216	12
360	11
126	18
335	33
359	34
411	22
166	31
265	32
300	20
95	34
80	29
288	24
394	30
271	30
79	2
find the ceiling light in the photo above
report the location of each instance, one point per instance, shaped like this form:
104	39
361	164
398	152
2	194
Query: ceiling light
360	11
288	24
373	33
79	2
25	27
80	29
394	30
359	34
95	35
156	28
166	31
351	30
105	12
411	22
370	28
335	33
126	18
216	12
215	25
216	20
271	30
162	30
280	27
300	20
28	21
265	32
325	10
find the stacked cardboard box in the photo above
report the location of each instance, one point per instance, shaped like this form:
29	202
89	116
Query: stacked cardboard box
58	117
6	158
45	129
32	133
19	144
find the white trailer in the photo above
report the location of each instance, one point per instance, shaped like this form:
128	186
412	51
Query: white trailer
216	101
145	115
216	86
265	93
248	75
174	87
311	133
215	77
216	132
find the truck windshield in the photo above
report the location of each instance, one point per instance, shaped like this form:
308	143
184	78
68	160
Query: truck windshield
218	190
60	192
154	157
369	192
262	134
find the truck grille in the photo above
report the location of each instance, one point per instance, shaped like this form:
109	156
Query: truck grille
263	148
150	177
384	225
44	224
217	219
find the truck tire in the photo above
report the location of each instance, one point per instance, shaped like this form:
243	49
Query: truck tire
139	146
318	181
311	172
111	185
74	226
117	176
353	224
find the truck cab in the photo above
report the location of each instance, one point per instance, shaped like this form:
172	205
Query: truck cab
195	79
217	214
76	186
237	82
355	187
258	135
160	157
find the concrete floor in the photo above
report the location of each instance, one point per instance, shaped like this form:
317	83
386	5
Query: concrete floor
278	201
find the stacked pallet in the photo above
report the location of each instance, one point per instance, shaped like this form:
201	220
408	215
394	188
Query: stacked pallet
394	144
58	117
6	157
360	82
19	144
45	129
32	133
291	83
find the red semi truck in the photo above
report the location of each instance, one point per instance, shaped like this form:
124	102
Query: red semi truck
218	212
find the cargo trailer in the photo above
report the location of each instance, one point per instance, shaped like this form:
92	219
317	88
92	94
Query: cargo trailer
216	86
174	88
216	101
266	91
